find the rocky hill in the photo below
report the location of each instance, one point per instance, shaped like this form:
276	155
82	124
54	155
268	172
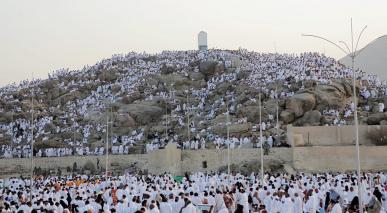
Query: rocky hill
148	98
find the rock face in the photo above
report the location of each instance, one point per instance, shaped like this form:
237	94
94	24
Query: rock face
300	103
223	87
310	84
71	96
167	70
376	118
271	106
316	98
125	120
108	75
130	98
245	168
235	129
287	116
209	68
116	88
252	113
143	113
329	96
310	118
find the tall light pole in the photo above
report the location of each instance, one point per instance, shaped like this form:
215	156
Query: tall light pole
32	145
12	135
166	113
166	121
228	140
276	97
188	122
353	53
107	146
277	108
260	136
107	143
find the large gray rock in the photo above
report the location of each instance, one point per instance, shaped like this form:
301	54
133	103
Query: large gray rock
310	118
130	98
235	129
219	68
196	76
376	118
108	75
271	107
125	120
143	113
167	69
300	103
5	117
345	86
222	88
50	89
116	88
287	116
329	96
71	96
383	122
221	118
310	84
252	113
209	68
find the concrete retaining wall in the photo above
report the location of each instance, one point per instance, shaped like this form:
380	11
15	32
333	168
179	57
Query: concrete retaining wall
330	135
329	149
339	158
166	160
215	159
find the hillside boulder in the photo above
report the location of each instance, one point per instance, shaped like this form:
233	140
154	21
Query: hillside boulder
125	120
235	129
329	96
300	103
209	68
167	69
130	98
108	75
376	118
287	116
143	113
310	118
252	113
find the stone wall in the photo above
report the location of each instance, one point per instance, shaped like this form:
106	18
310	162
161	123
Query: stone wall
329	135
18	166
339	158
170	160
329	149
214	159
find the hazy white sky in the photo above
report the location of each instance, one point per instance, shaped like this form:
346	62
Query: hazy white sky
38	36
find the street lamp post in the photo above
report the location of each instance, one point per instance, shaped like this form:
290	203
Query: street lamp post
260	136
32	146
353	53
228	142
107	143
188	122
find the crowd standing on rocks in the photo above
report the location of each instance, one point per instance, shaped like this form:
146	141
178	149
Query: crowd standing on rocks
199	192
191	98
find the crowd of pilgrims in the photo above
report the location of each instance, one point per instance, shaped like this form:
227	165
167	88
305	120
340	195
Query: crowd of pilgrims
198	192
262	69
